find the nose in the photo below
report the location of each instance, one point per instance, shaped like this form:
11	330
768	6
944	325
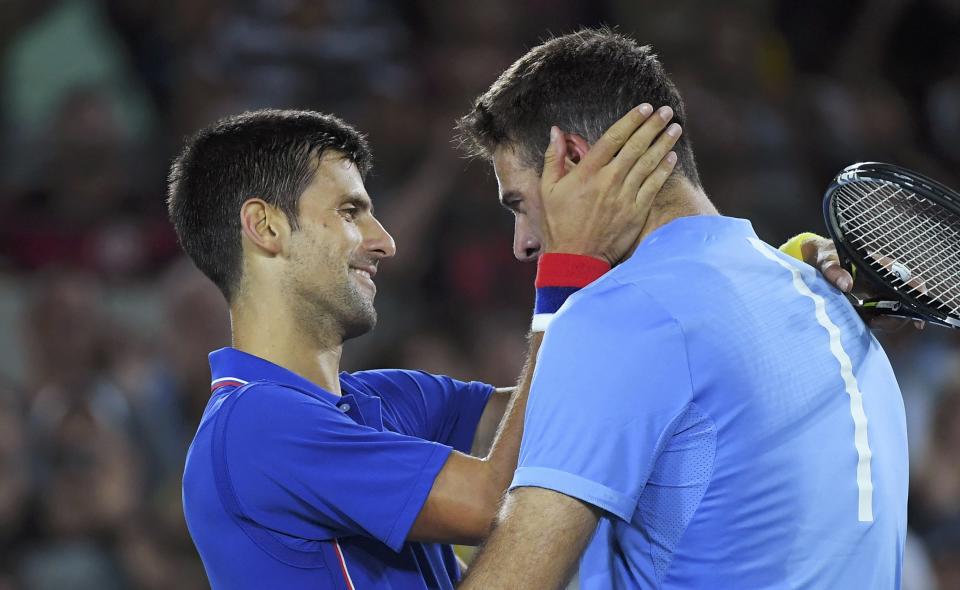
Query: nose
526	245
378	240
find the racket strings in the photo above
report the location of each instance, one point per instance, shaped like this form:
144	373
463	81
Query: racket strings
922	235
912	241
911	232
916	232
886	216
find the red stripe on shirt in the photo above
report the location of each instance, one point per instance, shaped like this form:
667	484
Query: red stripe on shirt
217	386
343	565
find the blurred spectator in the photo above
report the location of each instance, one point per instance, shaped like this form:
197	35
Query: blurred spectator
170	384
16	487
937	479
65	334
69	44
944	543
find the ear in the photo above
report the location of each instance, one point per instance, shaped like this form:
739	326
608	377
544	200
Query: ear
576	148
264	225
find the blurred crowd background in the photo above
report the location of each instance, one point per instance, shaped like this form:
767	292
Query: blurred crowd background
105	328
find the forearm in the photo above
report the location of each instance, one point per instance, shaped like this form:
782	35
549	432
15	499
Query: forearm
539	537
502	458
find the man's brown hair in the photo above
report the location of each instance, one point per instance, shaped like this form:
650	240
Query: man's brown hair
581	82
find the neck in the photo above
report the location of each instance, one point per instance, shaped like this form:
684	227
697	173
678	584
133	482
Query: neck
679	199
265	327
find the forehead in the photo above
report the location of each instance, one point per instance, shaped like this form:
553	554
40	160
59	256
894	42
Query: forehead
513	175
334	177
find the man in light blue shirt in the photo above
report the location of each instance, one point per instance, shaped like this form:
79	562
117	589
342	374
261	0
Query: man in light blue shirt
708	414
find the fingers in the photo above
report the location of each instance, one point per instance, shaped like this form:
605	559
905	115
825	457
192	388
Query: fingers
811	250
649	160
615	137
639	149
837	276
652	182
822	255
553	169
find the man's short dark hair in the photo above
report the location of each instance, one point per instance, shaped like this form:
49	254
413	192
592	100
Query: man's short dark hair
582	82
269	154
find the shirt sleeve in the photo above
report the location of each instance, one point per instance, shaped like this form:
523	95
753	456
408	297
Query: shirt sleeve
298	466
611	378
432	407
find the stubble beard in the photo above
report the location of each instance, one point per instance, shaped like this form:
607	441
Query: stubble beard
359	315
334	311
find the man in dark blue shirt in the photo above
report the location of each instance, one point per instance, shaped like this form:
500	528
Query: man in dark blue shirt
304	477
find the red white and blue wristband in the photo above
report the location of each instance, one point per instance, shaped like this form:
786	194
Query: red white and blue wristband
558	277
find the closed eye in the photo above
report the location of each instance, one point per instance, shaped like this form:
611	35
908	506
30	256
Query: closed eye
349	212
512	202
513	206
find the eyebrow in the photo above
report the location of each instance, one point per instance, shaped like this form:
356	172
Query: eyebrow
510	199
358	200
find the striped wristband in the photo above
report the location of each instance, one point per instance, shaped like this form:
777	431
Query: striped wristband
559	276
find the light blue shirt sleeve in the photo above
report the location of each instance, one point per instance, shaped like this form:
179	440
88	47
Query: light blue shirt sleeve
611	380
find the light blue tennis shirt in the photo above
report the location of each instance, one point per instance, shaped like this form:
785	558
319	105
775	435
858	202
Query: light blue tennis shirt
735	420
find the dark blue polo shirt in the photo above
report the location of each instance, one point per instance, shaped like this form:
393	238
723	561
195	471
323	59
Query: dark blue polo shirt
288	486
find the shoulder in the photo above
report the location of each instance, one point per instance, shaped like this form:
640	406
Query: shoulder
404	382
614	303
390	382
267	406
617	325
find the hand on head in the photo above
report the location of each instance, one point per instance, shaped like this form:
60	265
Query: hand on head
599	207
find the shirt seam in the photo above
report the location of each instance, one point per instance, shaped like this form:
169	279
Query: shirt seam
713	469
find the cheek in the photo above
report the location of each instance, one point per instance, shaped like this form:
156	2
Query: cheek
332	237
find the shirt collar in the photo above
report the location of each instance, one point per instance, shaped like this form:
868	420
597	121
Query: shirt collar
229	366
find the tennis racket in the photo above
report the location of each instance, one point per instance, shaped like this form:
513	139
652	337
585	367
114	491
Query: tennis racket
902	230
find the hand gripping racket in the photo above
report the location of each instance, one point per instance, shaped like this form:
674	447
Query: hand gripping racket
902	230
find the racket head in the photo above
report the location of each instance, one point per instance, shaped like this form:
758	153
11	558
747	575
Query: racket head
902	230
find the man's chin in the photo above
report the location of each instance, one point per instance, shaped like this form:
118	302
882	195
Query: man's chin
360	326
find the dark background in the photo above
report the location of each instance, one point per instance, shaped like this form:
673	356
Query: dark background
104	328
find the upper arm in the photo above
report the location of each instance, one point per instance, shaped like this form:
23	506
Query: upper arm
461	506
538	539
299	466
611	378
490	421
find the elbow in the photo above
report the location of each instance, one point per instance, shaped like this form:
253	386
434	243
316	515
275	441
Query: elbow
494	490
481	514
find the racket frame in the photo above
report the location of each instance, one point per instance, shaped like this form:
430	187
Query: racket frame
891	301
